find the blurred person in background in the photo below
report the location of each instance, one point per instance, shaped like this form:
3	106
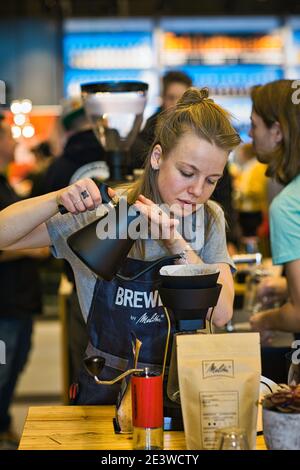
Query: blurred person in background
250	188
82	155
275	131
20	299
272	290
81	147
223	195
174	84
43	158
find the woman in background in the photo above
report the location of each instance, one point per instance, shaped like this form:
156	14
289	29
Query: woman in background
275	131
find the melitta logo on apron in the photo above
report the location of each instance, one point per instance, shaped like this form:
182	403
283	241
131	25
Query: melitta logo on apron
140	300
146	318
137	299
119	308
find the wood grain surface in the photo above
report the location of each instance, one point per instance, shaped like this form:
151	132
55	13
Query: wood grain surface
84	428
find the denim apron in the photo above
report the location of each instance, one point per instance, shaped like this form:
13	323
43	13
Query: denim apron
120	308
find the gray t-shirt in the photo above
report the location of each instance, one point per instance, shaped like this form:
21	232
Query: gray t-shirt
210	245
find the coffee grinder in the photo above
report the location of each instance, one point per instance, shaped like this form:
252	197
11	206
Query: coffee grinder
115	110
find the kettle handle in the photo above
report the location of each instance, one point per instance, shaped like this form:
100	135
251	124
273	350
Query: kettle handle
103	188
156	262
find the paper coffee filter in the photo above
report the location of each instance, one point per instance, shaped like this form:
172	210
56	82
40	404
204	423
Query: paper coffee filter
188	270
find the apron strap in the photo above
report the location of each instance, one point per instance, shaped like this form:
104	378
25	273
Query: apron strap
151	266
116	362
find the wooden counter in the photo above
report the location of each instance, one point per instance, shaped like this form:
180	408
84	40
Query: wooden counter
84	428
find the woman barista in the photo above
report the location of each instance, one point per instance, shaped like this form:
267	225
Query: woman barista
186	160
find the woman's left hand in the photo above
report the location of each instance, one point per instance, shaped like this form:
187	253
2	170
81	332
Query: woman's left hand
161	225
259	322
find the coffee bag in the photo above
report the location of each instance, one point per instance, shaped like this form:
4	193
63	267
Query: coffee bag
219	379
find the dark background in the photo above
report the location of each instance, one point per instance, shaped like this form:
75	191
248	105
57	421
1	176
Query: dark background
124	8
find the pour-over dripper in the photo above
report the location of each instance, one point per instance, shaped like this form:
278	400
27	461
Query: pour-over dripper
189	292
115	110
189	276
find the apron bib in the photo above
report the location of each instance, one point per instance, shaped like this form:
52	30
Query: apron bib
119	308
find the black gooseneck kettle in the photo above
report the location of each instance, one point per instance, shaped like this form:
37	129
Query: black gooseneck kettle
105	256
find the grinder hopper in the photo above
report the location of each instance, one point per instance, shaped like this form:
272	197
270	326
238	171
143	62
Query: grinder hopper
115	110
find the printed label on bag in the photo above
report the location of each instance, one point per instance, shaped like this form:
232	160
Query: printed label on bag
218	410
217	368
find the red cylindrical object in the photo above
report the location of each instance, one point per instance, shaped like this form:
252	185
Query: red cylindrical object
147	401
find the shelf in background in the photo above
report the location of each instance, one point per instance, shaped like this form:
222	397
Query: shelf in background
227	54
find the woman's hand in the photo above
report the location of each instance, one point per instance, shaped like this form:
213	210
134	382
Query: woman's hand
272	290
259	322
81	196
161	225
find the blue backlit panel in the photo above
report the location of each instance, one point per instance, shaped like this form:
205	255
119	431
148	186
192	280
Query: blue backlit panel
232	79
215	25
108	50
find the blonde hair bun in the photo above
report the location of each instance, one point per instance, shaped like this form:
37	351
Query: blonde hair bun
193	95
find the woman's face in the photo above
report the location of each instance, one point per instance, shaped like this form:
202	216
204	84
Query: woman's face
190	172
265	139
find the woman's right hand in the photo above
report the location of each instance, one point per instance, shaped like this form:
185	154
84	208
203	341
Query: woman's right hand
81	196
